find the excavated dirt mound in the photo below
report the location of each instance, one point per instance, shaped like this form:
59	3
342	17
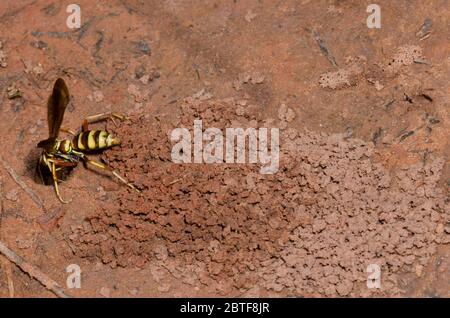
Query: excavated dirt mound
310	229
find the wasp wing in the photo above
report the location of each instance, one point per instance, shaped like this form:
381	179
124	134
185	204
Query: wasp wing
56	106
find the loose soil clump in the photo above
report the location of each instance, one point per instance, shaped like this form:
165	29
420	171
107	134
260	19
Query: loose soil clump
312	228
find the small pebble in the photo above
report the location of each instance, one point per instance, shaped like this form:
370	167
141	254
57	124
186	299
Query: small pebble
105	292
98	96
134	291
418	269
12	195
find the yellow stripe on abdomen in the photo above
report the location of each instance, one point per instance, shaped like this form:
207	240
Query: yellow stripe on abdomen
102	139
78	142
91	144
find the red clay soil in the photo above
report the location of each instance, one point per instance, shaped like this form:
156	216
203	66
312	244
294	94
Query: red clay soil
364	170
310	229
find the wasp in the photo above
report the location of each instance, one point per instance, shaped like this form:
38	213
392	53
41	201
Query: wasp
60	156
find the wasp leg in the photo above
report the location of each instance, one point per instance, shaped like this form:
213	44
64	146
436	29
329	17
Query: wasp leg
99	117
68	131
63	164
105	167
55	182
52	166
39	171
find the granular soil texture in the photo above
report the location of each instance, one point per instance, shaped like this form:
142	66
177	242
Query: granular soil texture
311	229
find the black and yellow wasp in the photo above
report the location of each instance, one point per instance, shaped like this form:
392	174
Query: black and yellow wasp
62	155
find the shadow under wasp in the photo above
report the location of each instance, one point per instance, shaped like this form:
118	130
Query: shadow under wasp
59	156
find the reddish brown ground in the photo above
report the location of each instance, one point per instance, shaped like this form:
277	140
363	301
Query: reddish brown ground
206	230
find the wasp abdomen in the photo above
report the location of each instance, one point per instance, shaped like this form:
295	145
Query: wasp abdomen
94	140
